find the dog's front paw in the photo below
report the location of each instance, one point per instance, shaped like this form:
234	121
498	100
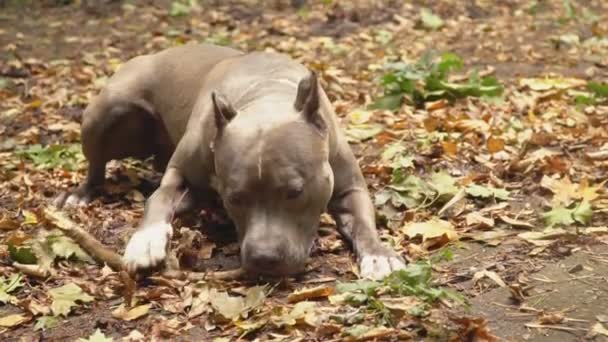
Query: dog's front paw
148	246
377	266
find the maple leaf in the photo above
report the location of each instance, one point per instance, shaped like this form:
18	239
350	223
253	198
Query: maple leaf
9	285
476	190
65	297
97	336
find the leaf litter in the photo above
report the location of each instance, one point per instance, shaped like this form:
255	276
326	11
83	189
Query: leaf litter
456	147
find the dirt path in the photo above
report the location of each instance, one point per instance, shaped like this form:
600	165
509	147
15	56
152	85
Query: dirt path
545	144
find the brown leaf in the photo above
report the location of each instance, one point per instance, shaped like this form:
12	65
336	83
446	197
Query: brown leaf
551	318
309	293
495	144
125	314
450	148
474	329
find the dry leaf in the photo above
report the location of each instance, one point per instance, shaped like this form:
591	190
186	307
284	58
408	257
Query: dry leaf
434	233
489	274
310	293
13	320
478	220
495	144
125	314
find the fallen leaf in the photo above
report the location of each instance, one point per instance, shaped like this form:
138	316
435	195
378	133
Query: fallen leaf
430	20
46	322
495	145
516	223
365	333
358	133
480	191
489	274
478	220
125	314
97	336
29	217
474	329
9	285
227	306
542	84
65	298
13	320
435	229
310	293
65	247
301	313
543	238
599	329
551	318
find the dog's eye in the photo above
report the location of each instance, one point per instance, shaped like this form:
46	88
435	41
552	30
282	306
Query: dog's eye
294	192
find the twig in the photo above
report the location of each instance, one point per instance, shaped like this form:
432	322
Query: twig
555	327
105	255
32	270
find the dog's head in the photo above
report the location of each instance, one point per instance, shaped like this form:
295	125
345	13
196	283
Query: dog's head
273	175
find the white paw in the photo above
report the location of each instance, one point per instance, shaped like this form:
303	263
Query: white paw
74	200
377	267
148	246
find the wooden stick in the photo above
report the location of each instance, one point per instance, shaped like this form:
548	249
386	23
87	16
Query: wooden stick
105	255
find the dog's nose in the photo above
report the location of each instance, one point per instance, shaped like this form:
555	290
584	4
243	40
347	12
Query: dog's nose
266	260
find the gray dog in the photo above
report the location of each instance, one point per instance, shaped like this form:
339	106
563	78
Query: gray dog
254	128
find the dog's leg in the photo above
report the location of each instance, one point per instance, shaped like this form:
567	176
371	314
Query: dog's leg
148	245
112	129
352	208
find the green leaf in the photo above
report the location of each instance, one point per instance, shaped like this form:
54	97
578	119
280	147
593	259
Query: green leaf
358	133
67	157
9	285
599	89
558	216
393	150
444	184
65	247
46	322
390	102
430	20
65	298
449	62
22	254
97	336
415	280
582	213
363	286
179	9
480	191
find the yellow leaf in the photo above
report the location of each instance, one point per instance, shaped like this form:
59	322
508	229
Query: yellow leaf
123	313
434	232
541	84
30	217
564	191
13	320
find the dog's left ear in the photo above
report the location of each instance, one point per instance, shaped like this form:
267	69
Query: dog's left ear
222	109
307	101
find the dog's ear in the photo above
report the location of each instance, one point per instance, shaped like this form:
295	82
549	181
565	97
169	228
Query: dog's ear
307	101
222	109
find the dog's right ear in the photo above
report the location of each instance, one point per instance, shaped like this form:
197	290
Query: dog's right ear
222	110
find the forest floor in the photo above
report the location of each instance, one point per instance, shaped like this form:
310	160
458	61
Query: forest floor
488	177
